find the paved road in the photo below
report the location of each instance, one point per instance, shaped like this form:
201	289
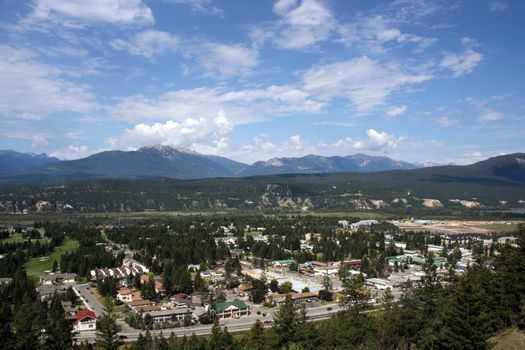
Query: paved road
91	302
233	325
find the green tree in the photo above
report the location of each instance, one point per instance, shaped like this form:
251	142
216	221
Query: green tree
467	317
167	279
256	340
286	323
198	283
107	329
58	330
28	325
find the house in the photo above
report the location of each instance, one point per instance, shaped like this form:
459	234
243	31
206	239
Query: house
354	264
86	320
125	295
46	291
173	315
298	298
58	278
140	303
283	263
379	283
234	309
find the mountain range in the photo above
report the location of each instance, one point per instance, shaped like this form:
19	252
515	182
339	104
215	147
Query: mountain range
163	161
496	185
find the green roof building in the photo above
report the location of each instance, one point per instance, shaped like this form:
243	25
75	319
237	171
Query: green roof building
233	309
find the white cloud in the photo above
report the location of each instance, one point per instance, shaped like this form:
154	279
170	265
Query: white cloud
128	12
200	6
39	142
490	115
72	152
487	114
149	43
282	7
32	90
224	61
242	106
189	132
301	25
395	111
382	140
498	6
463	62
364	82
334	123
447	122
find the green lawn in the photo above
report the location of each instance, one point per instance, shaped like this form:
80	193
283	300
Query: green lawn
16	238
36	267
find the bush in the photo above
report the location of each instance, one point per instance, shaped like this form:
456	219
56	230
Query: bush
206	319
325	295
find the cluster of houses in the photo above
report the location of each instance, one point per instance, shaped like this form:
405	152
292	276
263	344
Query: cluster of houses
55	283
128	268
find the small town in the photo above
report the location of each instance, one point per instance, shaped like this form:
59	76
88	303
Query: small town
244	285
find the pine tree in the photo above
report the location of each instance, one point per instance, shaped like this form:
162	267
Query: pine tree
107	329
467	317
256	339
285	325
28	325
58	331
167	279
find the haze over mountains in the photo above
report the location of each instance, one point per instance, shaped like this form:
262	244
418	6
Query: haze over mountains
163	161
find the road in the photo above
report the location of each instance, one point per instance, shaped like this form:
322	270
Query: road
91	302
233	325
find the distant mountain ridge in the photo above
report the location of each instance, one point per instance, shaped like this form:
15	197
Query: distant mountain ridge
163	161
12	161
496	184
313	164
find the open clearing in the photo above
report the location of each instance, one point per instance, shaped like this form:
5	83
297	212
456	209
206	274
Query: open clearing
37	266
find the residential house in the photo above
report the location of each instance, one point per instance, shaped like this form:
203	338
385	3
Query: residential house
58	278
86	320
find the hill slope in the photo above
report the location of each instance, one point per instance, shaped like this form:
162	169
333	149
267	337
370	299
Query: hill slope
486	184
145	163
12	162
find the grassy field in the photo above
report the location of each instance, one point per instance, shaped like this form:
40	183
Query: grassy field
36	267
16	238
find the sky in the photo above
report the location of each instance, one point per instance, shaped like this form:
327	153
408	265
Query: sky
420	81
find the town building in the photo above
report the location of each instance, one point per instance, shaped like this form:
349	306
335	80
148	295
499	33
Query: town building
231	309
58	278
86	320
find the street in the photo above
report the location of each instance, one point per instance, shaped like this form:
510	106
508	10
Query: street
91	302
233	325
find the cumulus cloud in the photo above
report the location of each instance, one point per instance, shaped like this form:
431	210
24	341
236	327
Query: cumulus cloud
382	140
149	43
72	152
32	90
301	25
127	12
395	111
188	132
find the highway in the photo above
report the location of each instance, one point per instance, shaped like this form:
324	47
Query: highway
233	325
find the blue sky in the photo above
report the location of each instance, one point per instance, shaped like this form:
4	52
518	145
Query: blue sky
421	81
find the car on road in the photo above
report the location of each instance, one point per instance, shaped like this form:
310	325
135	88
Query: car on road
268	321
